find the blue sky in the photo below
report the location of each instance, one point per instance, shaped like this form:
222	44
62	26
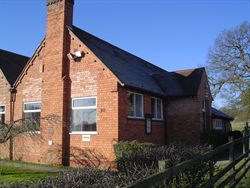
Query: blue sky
173	34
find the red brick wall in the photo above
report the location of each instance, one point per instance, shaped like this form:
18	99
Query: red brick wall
26	147
132	129
89	77
4	100
184	117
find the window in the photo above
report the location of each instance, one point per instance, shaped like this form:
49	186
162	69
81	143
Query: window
84	115
135	105
157	109
218	124
32	113
2	114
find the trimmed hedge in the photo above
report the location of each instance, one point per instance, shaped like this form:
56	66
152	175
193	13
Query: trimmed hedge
126	148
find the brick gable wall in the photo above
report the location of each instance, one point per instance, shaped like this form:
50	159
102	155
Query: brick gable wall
89	77
4	100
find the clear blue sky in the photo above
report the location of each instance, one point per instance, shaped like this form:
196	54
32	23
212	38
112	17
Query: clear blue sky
173	34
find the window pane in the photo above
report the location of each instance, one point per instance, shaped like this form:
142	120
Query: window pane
84	120
153	108
84	102
159	109
2	108
32	119
2	118
32	106
130	104
139	110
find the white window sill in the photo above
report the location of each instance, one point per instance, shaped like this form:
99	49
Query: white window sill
155	119
83	132
32	132
218	128
133	117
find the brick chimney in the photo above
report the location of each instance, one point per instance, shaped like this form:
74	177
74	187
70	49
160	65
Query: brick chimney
56	83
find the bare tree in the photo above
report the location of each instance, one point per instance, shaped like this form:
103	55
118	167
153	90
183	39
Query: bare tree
15	128
228	62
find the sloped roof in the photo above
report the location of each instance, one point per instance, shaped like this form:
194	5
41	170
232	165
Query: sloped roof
180	83
12	65
220	114
129	69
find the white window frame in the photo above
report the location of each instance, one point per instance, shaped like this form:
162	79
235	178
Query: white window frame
221	123
33	102
3	111
155	108
31	111
134	106
4	108
81	108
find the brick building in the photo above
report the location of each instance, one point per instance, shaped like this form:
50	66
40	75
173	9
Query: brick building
220	121
100	93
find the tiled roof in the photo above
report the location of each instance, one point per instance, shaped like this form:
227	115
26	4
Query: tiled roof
12	64
220	114
180	83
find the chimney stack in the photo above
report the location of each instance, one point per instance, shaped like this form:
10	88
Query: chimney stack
56	84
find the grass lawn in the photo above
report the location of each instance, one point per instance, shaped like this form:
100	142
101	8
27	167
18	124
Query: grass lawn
245	182
20	175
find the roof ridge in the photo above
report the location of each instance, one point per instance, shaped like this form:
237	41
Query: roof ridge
14	53
191	69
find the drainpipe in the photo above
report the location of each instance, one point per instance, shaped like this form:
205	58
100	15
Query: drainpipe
12	101
165	111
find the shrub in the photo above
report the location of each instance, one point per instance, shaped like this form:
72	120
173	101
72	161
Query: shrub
174	154
85	177
126	148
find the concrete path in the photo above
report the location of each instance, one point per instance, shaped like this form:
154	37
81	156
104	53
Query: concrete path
31	166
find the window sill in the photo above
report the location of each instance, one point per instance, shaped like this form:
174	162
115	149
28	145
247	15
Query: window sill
83	132
32	132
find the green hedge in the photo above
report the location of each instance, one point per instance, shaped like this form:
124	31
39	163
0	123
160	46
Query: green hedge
126	148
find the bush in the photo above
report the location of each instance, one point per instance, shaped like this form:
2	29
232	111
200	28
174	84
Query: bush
85	177
174	154
126	148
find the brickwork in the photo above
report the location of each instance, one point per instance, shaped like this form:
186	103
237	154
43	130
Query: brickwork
26	147
185	118
4	100
89	77
133	129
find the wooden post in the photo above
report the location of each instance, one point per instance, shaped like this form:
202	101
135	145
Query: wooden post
244	146
162	165
231	149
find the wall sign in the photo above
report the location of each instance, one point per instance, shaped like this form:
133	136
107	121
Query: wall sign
85	138
148	123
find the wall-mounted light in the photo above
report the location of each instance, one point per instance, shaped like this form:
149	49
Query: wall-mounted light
76	55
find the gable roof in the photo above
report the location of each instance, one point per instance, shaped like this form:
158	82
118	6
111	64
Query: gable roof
12	65
220	114
180	83
129	69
